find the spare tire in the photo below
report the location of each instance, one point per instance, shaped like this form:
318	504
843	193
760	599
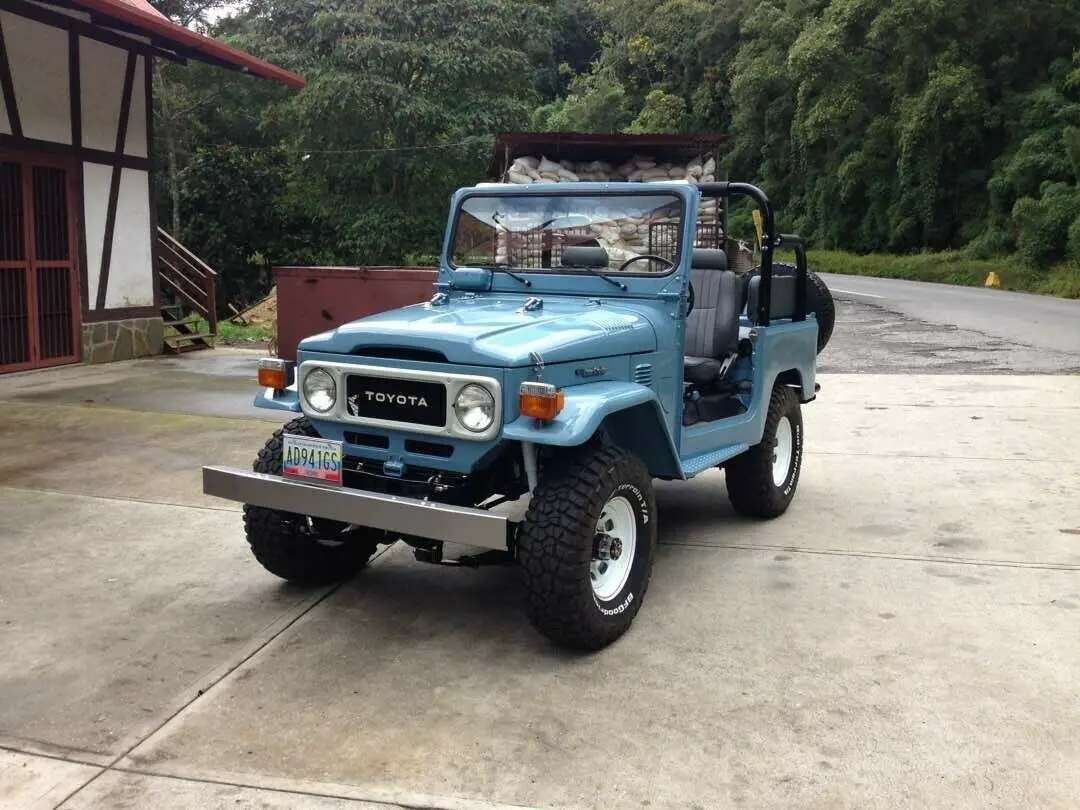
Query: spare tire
819	299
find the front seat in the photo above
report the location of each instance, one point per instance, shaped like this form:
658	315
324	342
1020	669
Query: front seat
712	327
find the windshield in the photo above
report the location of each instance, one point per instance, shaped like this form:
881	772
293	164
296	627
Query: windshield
531	232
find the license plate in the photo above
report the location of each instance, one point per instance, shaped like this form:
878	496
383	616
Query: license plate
311	459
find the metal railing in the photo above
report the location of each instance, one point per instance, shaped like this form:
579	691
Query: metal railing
188	279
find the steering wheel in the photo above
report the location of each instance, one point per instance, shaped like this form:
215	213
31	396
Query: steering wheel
670	264
633	259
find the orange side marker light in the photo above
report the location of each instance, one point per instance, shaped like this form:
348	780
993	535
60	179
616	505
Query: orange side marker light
273	374
540	400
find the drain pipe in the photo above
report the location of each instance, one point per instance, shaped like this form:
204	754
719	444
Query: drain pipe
528	455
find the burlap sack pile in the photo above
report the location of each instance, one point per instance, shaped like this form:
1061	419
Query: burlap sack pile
629	236
640	169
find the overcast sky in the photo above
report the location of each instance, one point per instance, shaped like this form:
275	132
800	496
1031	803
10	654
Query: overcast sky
224	11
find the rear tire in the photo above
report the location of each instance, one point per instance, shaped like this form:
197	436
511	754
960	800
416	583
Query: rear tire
303	550
761	481
575	598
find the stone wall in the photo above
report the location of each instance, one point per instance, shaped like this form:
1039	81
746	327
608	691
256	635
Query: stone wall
108	341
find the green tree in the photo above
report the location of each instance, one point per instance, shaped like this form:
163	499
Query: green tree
403	97
878	125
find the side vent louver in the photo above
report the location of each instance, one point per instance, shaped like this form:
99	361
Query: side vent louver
643	374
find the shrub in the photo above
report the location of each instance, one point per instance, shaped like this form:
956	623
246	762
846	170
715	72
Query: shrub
1044	223
1074	241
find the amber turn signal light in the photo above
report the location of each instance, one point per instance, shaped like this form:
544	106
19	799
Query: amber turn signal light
273	373
540	400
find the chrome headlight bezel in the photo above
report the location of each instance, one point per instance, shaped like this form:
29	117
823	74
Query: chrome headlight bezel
483	401
328	388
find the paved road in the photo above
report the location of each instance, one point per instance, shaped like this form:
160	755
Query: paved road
893	326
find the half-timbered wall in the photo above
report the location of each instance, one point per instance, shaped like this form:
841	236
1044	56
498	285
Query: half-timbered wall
81	93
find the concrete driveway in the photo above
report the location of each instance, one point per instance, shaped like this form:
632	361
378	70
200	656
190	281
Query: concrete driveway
904	637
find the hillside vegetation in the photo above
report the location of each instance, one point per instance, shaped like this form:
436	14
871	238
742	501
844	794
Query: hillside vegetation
919	138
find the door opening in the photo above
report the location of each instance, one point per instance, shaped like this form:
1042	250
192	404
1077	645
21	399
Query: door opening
39	274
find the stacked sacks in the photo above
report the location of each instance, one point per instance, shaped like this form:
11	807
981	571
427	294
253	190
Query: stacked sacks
629	237
639	169
542	170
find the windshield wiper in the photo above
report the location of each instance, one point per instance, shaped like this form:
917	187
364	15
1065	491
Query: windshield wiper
598	274
503	269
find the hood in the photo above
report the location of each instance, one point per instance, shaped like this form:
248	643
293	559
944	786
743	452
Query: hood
494	331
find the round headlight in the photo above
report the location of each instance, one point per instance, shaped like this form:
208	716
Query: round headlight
475	408
320	390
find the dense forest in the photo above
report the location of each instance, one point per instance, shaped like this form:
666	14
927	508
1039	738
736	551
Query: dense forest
886	126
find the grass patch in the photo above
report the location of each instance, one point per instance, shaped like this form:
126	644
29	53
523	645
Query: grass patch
951	268
234	331
226	330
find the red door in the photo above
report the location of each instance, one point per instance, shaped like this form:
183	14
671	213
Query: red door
39	275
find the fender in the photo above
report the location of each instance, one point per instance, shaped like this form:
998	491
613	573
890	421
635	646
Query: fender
286	400
631	414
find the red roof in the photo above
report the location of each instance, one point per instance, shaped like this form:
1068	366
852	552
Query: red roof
141	15
142	5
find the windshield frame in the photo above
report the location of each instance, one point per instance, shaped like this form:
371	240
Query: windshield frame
598	190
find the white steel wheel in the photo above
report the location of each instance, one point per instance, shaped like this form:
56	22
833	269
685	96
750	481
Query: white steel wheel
616	544
586	546
785	444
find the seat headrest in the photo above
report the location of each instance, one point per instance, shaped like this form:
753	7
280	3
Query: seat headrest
781	297
708	259
584	256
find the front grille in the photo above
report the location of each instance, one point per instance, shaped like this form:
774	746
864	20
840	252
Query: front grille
410	401
367	440
429	448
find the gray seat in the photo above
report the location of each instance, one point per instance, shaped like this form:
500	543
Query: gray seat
712	327
781	297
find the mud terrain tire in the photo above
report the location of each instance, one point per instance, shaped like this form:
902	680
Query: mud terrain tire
305	551
557	547
751	484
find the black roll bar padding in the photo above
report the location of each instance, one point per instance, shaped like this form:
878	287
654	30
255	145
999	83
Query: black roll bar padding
791	241
725	188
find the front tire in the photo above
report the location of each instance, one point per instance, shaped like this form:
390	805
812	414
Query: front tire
761	481
305	551
586	548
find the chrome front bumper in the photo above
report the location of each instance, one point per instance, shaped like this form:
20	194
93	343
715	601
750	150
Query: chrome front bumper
395	514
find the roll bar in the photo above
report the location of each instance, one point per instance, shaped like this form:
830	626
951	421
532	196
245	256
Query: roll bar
772	240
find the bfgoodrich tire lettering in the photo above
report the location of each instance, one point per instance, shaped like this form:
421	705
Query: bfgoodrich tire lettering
304	551
752	484
556	545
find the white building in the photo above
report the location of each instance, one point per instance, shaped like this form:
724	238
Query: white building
79	253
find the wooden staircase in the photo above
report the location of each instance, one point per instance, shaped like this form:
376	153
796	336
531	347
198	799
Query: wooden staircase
188	297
